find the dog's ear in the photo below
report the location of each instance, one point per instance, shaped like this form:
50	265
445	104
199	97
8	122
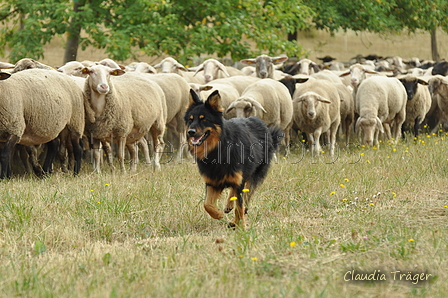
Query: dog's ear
214	102
194	98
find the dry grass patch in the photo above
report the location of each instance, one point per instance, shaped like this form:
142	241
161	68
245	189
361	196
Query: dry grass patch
312	221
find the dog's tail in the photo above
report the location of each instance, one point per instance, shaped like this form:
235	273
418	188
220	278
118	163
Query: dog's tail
277	135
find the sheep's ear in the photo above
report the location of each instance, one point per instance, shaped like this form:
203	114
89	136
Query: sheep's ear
258	105
200	67
4	75
423	82
214	102
248	61
279	59
223	69
345	73
231	107
380	125
194	98
181	67
85	71
206	88
323	99
117	72
301	80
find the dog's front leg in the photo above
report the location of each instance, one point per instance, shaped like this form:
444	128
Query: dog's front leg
210	202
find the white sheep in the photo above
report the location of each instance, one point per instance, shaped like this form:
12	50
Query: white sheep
419	101
28	63
123	109
141	67
269	100
265	66
72	68
240	83
303	67
177	94
54	104
358	73
213	69
380	103
170	65
438	88
316	105
227	92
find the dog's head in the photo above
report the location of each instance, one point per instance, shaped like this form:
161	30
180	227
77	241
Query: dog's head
204	121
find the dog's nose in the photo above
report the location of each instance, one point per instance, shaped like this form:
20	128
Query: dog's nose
191	132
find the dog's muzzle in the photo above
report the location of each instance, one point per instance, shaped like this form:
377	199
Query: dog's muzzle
195	138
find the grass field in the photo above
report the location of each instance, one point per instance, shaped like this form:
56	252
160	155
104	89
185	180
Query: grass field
313	226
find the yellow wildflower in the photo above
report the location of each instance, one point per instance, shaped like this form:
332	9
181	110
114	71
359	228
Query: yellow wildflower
233	198
292	244
332	193
245	190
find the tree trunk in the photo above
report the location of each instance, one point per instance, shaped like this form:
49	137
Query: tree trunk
434	51
71	48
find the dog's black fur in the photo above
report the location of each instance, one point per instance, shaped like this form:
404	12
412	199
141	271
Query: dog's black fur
233	153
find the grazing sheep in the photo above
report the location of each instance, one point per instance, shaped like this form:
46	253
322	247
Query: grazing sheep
269	100
316	105
33	118
380	102
72	68
438	88
265	66
28	63
213	69
123	109
418	103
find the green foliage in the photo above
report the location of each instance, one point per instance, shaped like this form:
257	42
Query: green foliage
183	29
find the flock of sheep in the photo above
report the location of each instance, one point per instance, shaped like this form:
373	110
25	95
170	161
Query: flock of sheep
103	103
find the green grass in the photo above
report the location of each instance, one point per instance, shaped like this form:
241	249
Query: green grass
146	234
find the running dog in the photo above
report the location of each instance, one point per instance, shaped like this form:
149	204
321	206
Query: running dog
233	153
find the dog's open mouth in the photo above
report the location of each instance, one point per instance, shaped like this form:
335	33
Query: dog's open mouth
197	141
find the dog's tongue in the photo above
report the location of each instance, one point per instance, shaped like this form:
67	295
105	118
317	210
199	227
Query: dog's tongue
196	140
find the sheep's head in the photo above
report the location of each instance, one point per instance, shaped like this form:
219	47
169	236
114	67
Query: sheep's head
436	83
369	127
246	107
357	74
170	65
264	65
310	104
211	68
99	77
410	83
73	68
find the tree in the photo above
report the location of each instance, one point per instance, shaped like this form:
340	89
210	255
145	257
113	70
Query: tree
382	16
126	29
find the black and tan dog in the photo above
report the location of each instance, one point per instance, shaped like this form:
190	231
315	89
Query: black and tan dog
233	153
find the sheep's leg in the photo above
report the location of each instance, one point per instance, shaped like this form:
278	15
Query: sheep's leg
62	152
399	119
417	126
120	152
31	151
333	131
387	131
210	202
132	148
316	137
287	138
5	157
311	143
109	154
143	143
158	144
77	149
52	149
180	131
23	154
96	155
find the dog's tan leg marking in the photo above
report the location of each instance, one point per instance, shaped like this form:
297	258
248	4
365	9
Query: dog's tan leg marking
230	204
210	203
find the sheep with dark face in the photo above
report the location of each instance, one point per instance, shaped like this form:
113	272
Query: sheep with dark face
265	66
418	103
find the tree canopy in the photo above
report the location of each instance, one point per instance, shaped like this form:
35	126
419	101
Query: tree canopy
186	29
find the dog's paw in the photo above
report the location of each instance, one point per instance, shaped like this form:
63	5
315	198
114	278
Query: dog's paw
231	225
